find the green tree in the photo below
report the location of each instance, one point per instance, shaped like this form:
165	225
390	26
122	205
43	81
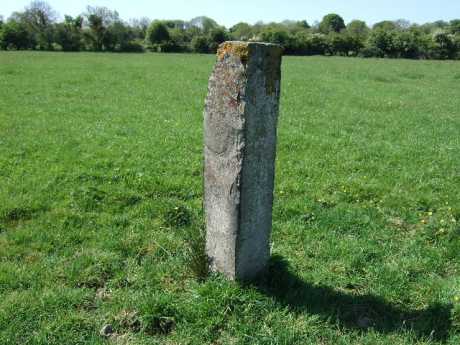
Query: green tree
280	35
107	15
69	34
241	32
407	44
441	24
14	35
402	24
216	37
38	18
140	27
120	37
205	24
276	35
331	23
385	25
174	24
1	32
454	26
344	44
358	30
96	33
303	24
381	42
200	44
444	45
357	33
99	19
318	44
456	41
306	43
292	26
178	40
335	44
157	33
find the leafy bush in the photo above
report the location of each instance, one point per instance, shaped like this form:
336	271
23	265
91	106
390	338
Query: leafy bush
157	33
14	35
216	37
275	35
444	45
200	44
383	41
369	52
317	44
69	34
170	47
134	46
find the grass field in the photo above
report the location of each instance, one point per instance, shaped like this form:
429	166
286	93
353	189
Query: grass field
101	187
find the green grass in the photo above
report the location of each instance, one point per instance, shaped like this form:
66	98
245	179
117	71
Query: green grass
101	190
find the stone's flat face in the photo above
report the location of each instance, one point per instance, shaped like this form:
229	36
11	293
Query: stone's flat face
224	142
240	143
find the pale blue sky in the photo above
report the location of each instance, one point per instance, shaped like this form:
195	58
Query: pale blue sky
230	12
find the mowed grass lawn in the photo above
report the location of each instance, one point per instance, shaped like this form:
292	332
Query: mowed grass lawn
101	188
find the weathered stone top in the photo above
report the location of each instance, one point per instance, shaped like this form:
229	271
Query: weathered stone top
254	56
243	49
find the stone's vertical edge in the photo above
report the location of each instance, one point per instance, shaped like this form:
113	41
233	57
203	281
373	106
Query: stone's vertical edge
240	143
258	171
224	143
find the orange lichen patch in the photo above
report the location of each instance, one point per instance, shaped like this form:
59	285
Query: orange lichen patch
239	49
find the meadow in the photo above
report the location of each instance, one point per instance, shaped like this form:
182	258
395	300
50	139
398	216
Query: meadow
101	191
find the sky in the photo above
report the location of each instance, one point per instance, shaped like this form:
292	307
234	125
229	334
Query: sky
231	12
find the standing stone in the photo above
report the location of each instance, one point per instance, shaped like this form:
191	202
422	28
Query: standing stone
239	167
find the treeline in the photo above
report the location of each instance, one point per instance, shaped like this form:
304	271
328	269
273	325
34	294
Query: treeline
100	29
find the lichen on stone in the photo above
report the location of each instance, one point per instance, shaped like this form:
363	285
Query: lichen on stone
239	49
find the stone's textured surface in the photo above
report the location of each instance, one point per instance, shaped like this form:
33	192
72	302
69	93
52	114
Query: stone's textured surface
240	143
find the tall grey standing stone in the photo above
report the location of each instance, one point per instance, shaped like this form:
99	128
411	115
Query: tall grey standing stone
240	144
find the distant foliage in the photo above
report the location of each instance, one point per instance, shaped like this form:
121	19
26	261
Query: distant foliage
102	29
68	35
241	32
217	36
14	35
200	44
158	33
332	23
39	19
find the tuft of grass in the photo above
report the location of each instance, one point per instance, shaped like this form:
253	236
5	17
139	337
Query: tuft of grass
17	214
159	316
385	79
177	217
196	257
456	313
